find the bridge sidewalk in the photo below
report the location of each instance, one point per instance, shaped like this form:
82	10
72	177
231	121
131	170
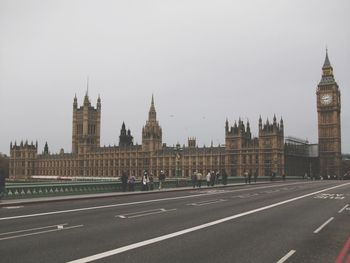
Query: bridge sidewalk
16	202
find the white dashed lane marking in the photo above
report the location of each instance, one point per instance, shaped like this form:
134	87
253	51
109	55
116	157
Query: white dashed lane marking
145	213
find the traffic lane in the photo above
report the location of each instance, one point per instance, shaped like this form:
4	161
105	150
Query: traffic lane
331	239
12	210
110	235
204	206
81	204
104	213
42	207
139	230
265	237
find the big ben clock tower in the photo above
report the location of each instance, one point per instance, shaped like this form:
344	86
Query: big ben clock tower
329	129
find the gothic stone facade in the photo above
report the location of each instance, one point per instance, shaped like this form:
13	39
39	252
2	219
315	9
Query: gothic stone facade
329	128
241	153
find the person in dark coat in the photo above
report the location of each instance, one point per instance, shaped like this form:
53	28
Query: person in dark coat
255	175
131	183
217	176
151	182
2	183
194	179
212	178
224	177
161	179
124	179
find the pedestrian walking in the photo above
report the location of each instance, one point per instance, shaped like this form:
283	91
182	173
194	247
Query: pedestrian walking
131	183
212	178
224	177
2	183
151	182
124	179
245	177
273	174
194	179
145	181
255	175
217	176
208	178
199	180
161	179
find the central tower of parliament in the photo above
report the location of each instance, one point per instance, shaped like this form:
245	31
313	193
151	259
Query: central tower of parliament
268	153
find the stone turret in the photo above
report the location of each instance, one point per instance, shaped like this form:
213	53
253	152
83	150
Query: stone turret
152	132
86	125
22	160
125	138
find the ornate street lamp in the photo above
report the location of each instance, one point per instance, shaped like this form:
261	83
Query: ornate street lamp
177	160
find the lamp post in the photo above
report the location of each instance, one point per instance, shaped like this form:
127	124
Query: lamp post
177	160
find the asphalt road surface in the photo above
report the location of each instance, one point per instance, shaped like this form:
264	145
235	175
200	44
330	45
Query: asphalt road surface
278	222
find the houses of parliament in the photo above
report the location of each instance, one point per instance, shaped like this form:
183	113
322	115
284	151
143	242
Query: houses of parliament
270	152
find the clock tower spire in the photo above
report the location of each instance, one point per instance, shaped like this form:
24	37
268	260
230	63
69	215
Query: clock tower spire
329	128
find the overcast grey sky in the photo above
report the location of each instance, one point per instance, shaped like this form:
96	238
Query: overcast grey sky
204	61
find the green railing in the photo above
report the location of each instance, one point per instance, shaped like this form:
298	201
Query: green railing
45	189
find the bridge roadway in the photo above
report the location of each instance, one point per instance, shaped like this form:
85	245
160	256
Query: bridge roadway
277	222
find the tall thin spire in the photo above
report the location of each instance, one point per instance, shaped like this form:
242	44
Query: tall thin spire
327	63
152	104
86	98
152	115
87	86
75	102
327	72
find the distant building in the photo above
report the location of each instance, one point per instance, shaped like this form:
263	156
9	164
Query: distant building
301	158
268	153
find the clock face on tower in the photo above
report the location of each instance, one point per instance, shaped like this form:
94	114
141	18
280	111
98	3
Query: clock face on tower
326	99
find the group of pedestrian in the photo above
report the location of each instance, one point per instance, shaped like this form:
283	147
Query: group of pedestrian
213	177
128	182
248	176
196	179
147	182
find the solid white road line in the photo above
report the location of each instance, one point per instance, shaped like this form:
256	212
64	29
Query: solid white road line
288	255
341	210
41	232
192	229
131	203
323	225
